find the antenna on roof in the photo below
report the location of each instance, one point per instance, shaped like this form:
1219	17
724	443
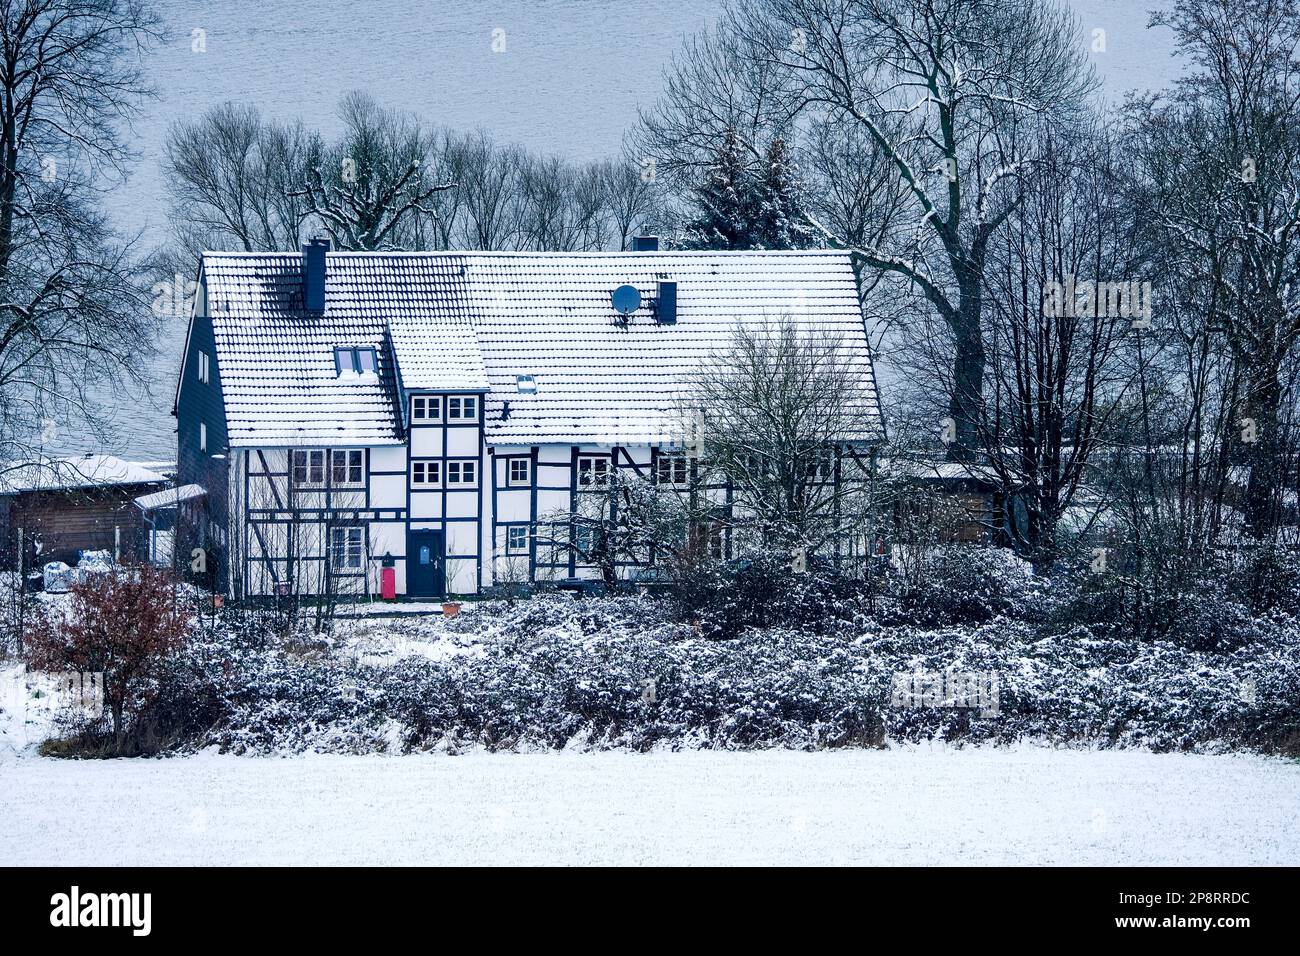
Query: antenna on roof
626	300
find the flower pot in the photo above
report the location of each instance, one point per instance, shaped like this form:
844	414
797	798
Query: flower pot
450	608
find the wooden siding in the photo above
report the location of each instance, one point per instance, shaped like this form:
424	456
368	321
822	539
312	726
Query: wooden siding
67	522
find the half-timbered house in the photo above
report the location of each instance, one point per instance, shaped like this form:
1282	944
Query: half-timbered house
429	411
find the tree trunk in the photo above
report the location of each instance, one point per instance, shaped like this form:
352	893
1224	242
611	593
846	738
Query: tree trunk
1265	453
968	365
119	735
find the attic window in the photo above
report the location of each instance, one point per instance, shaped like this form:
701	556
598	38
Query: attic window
355	361
525	385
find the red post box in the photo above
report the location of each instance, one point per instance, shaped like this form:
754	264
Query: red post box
388	579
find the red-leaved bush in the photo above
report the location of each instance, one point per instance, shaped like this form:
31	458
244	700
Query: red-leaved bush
122	624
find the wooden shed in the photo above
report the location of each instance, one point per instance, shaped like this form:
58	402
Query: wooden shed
53	509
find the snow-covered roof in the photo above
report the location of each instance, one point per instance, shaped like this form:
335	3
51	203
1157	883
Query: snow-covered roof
276	362
82	471
544	315
437	355
169	497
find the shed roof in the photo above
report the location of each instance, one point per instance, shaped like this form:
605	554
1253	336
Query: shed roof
169	497
66	474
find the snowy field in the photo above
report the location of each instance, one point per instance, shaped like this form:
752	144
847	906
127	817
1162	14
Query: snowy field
931	805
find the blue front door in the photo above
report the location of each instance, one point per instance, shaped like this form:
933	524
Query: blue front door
424	575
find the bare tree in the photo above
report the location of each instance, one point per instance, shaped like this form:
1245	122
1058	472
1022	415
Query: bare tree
942	91
231	180
631	195
1058	369
621	520
373	185
487	186
73	313
391	182
561	206
853	190
1219	165
781	423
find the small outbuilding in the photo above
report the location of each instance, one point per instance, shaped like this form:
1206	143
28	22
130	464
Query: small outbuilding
52	509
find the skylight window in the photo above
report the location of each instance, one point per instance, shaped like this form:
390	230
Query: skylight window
355	361
526	385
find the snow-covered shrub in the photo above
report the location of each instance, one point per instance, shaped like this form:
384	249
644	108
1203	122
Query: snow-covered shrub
723	600
1207	619
622	672
966	585
1268	578
123	626
1202	609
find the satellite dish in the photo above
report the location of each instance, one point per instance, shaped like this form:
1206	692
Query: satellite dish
626	299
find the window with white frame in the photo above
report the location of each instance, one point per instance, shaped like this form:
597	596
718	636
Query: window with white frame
355	362
463	474
346	466
204	368
307	467
672	469
517	539
517	470
425	474
346	549
462	408
426	408
593	469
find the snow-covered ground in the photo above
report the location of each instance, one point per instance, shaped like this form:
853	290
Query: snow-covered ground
902	806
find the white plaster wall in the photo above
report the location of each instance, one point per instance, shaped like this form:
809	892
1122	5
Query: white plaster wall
388	491
426	504
462	442
426	442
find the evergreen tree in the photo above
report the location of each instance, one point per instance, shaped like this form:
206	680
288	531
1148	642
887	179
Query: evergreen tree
747	205
724	211
778	224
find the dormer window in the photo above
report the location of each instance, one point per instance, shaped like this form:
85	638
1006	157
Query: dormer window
355	362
